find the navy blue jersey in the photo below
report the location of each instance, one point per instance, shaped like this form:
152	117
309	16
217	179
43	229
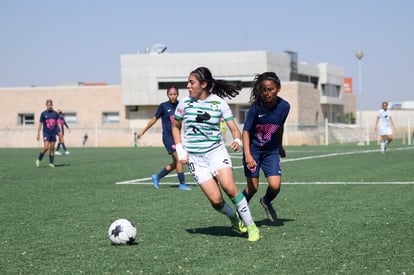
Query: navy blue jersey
61	120
264	124
166	112
49	120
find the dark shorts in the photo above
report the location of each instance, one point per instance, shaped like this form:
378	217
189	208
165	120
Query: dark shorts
169	144
269	162
49	138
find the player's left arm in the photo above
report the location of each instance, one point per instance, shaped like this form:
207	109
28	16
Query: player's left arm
66	125
282	151
60	128
392	123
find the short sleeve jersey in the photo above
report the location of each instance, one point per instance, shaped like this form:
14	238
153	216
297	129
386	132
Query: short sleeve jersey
263	125
384	118
61	120
49	120
202	122
166	111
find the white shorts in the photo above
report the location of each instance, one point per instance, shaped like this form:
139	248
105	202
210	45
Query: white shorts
385	131
204	167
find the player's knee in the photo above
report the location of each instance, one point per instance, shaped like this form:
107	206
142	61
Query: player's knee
216	203
252	190
172	166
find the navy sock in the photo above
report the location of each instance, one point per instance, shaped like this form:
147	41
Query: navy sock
270	195
64	147
41	156
51	159
163	173
58	147
247	196
181	177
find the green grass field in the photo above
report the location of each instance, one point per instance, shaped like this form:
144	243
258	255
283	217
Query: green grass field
343	210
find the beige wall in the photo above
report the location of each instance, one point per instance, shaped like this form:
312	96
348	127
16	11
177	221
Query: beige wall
304	102
88	102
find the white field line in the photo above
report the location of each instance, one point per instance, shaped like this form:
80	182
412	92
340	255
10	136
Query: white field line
145	181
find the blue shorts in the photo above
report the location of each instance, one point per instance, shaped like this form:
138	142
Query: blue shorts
268	161
63	131
169	144
49	137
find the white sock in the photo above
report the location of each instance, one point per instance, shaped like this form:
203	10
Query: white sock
244	211
382	146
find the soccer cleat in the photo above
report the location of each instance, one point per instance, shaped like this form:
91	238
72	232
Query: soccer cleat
155	180
51	165
183	186
253	233
270	211
57	153
237	224
67	153
37	163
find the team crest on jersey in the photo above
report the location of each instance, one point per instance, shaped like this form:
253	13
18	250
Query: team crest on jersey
214	106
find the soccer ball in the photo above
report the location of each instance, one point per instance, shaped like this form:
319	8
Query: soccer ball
122	231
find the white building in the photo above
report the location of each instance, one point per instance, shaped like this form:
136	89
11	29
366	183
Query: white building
145	78
111	114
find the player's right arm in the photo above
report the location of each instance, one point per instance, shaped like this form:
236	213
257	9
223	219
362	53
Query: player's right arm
376	124
39	127
176	133
250	162
149	125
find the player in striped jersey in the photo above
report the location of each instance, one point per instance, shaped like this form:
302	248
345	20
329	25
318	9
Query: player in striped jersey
203	148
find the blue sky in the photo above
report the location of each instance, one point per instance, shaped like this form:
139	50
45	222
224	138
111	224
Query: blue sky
46	42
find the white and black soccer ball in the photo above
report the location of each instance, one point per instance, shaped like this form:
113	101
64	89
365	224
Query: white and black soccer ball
122	231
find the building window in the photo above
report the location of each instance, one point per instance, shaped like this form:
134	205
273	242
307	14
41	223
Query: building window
26	119
110	117
242	113
166	85
331	90
70	118
183	85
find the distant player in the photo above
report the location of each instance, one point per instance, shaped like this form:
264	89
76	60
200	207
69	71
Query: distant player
166	111
85	139
51	128
63	124
386	126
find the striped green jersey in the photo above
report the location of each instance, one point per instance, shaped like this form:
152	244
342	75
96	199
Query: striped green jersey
201	122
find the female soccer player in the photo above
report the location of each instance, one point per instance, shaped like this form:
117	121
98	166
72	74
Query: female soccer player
203	147
61	142
166	111
262	139
51	128
386	125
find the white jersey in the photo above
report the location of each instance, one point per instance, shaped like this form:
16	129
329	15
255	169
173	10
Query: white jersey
384	119
202	122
